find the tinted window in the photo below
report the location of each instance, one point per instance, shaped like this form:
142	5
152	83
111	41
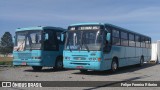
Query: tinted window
124	38
115	37
59	37
115	33
51	43
131	40
124	35
142	41
147	41
131	37
137	39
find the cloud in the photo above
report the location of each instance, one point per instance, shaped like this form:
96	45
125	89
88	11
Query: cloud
144	15
140	15
77	10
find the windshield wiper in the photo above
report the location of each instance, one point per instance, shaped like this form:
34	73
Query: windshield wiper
84	42
30	46
68	44
70	47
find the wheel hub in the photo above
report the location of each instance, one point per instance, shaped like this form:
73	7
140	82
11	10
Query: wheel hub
59	64
114	66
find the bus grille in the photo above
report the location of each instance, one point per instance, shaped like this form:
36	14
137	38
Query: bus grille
79	58
24	55
81	63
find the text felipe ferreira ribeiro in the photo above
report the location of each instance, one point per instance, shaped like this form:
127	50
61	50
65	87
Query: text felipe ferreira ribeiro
139	85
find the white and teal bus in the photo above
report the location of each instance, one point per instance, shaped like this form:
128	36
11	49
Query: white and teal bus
99	46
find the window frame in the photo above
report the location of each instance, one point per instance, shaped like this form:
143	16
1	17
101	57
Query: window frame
126	38
116	37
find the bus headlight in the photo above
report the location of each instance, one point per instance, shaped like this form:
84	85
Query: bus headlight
36	57
67	58
90	58
95	59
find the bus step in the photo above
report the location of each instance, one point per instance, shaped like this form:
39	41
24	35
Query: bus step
152	61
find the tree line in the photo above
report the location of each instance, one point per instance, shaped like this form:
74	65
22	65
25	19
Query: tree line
6	44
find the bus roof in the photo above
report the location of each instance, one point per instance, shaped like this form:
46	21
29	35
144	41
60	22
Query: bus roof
123	29
107	24
40	28
94	23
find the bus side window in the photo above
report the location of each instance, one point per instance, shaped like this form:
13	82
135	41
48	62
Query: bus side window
106	44
124	38
58	34
52	43
115	37
137	39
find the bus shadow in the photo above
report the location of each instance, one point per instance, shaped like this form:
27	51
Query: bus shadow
115	83
121	70
46	70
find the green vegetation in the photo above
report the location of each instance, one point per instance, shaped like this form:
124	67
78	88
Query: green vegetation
6	61
6	44
6	48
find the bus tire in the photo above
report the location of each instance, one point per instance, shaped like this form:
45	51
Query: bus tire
141	62
114	65
157	62
37	68
59	63
83	71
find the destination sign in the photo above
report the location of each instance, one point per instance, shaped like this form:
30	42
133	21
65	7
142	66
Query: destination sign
84	28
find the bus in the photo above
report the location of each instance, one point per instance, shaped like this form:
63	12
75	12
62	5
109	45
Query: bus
102	46
38	47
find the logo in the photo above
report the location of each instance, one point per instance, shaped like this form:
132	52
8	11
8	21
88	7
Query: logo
6	84
78	58
20	84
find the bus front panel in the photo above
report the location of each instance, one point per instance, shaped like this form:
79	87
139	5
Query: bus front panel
30	58
83	60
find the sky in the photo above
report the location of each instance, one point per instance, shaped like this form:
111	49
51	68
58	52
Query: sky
142	16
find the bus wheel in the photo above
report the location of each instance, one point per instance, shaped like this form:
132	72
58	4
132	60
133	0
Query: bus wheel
37	68
114	66
83	71
157	62
59	64
141	62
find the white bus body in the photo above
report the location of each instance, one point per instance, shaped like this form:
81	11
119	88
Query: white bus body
158	50
155	56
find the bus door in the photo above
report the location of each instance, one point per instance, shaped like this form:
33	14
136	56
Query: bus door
51	48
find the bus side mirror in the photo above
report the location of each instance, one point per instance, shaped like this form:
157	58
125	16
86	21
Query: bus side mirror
46	36
62	37
108	37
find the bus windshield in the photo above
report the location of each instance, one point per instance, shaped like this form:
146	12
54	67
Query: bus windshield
28	40
83	40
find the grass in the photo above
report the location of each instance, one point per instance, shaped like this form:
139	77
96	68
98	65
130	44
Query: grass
6	60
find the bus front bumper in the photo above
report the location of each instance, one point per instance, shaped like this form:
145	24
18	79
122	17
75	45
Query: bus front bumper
83	65
17	62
